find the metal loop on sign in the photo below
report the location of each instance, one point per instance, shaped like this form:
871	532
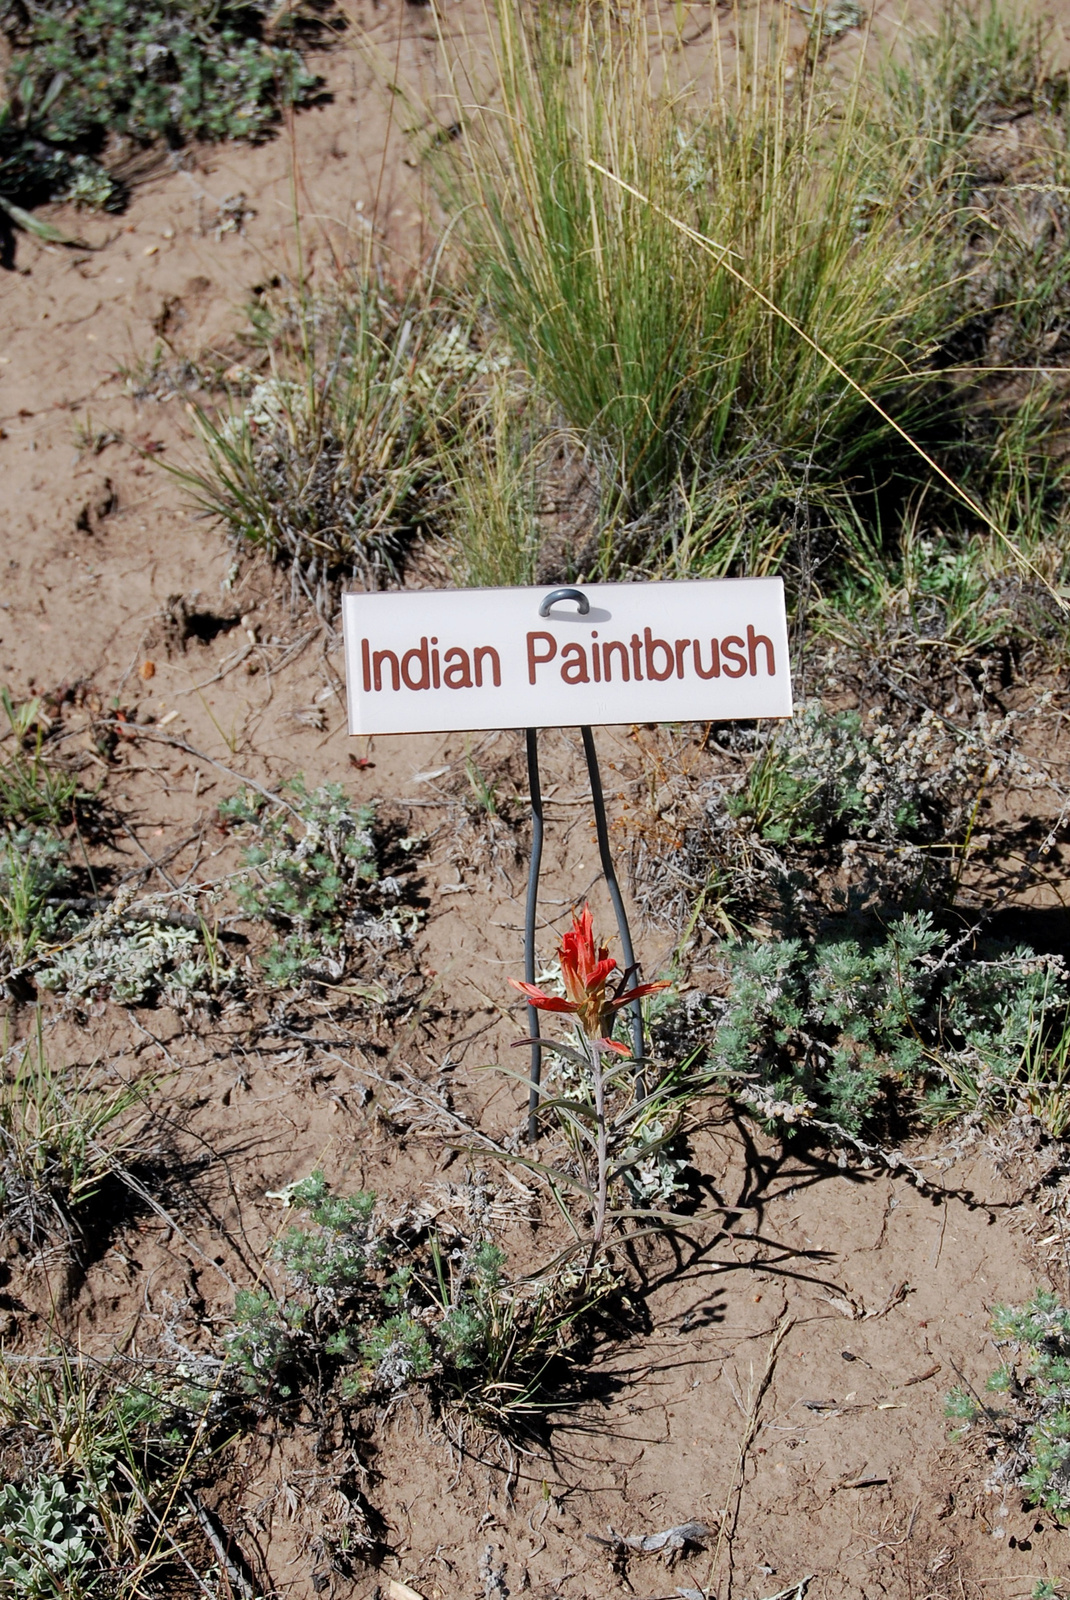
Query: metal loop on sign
583	605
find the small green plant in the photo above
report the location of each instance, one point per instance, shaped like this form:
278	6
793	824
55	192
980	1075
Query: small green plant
831	1028
61	1135
172	70
313	874
1029	1435
32	171
263	1343
373	1308
484	789
391	1358
497	1341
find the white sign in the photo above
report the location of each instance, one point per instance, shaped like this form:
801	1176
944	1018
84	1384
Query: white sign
440	661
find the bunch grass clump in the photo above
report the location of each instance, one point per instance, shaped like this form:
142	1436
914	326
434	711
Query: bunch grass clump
62	1136
686	390
38	800
331	460
34	791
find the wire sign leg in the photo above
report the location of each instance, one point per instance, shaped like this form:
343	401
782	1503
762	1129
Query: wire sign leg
530	918
613	886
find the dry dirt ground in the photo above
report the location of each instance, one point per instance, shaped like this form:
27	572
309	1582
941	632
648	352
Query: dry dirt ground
823	1326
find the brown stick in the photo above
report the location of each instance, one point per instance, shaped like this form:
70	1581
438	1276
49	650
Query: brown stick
730	1514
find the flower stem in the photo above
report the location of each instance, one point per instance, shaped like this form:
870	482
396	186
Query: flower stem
601	1152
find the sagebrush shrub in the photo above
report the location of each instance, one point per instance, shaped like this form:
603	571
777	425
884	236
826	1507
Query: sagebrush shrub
831	1027
826	774
314	876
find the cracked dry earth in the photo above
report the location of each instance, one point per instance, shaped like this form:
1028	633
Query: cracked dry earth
778	1377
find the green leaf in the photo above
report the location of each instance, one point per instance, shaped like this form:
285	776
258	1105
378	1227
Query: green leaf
40	230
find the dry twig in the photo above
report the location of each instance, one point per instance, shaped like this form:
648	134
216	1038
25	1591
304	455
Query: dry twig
730	1514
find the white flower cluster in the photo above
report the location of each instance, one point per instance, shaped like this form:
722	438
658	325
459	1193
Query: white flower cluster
451	353
273	404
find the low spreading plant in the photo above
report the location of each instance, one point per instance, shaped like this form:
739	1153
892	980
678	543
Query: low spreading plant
834	811
46	1535
173	70
314	876
371	1308
1028	1434
832	1028
138	960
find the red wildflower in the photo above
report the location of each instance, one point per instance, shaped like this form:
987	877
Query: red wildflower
585	968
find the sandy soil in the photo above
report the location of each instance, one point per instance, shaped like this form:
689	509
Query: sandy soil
823	1324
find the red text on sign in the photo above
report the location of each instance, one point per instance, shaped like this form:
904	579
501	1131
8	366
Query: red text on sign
652	660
